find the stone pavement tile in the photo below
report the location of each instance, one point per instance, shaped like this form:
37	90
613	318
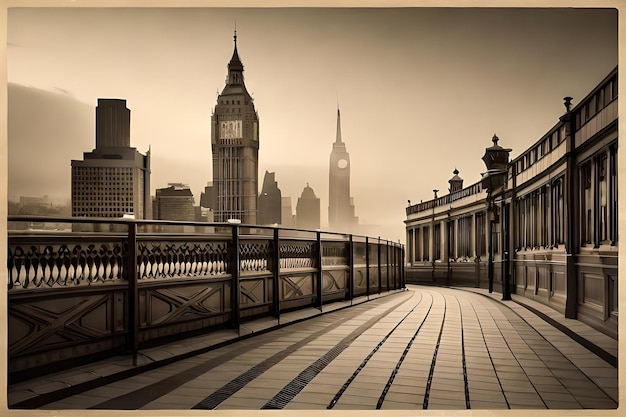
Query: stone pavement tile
563	405
15	397
361	392
477	378
596	402
448	374
512	388
527	405
550	388
485	386
351	406
358	400
300	405
487	405
413	399
447	405
417	388
246	402
517	397
313	398
43	387
557	396
441	393
399	405
486	395
538	371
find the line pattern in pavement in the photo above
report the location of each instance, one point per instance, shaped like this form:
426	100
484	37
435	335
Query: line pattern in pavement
429	382
142	396
381	399
482	331
292	389
565	363
463	359
475	353
369	356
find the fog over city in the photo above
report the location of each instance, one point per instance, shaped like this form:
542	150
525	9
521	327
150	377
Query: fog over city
421	91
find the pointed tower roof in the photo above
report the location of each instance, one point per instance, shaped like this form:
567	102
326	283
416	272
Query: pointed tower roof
235	63
338	138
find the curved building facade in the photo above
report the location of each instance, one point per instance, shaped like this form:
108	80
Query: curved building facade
548	232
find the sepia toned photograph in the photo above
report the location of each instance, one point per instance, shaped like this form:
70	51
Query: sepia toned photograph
311	208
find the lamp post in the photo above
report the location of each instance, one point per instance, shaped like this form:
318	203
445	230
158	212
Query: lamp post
496	159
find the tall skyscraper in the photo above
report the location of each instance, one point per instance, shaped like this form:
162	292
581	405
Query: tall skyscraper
308	210
340	208
235	147
270	200
113	179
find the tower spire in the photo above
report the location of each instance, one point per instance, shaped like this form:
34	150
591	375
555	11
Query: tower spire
338	138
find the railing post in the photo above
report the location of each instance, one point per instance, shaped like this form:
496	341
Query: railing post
402	271
387	263
380	280
235	290
320	278
276	280
367	266
351	269
133	292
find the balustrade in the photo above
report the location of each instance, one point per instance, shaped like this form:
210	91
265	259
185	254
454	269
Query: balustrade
70	294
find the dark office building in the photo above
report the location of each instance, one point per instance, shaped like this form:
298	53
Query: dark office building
174	203
308	210
113	179
270	201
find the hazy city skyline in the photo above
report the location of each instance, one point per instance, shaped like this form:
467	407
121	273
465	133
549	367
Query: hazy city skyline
421	91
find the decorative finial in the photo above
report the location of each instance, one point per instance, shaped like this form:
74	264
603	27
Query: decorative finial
235	37
435	192
456	171
495	140
568	102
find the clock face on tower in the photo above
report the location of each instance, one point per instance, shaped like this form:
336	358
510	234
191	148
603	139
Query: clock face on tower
342	163
230	129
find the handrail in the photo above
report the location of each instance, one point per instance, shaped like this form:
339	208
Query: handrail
129	286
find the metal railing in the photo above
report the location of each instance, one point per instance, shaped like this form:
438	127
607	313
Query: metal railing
86	288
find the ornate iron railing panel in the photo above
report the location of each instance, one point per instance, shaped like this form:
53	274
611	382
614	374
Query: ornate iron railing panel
51	265
297	254
335	253
71	294
172	259
254	255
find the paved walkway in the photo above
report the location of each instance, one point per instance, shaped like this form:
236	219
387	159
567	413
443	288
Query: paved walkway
424	348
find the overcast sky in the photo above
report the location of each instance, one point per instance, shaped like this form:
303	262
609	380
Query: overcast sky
421	91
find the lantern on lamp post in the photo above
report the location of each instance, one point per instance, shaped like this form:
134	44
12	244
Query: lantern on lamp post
496	159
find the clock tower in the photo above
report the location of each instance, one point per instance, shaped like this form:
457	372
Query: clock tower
340	208
235	147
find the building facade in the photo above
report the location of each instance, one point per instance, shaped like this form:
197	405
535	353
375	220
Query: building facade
174	202
549	231
308	210
270	201
114	179
340	204
235	148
